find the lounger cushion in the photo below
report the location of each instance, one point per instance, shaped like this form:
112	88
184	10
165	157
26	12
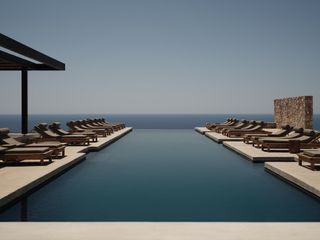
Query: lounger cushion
46	144
285	126
309	132
28	150
74	136
312	152
298	130
55	125
43	126
283	140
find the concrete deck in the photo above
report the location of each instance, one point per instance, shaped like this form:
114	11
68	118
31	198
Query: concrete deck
105	141
202	130
219	138
160	231
298	175
257	155
18	180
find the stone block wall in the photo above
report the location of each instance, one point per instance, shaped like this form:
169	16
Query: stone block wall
296	111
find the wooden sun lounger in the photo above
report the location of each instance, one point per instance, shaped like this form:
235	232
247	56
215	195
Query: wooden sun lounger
238	125
98	130
9	142
20	154
103	121
241	132
47	135
247	126
310	156
213	125
76	126
55	127
115	127
295	133
310	139
250	138
89	125
108	128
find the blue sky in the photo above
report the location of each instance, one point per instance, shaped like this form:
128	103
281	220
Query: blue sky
165	56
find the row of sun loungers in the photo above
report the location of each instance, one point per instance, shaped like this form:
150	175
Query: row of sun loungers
285	139
53	139
236	128
303	138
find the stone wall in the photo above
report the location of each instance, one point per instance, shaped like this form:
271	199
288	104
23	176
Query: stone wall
296	111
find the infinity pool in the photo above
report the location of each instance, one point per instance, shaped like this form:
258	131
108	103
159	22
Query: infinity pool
167	175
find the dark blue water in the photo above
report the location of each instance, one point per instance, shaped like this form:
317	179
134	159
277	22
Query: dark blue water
168	175
141	121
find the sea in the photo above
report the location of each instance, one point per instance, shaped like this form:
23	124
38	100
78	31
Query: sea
138	121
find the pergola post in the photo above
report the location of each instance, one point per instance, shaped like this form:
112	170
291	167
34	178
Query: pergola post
19	57
24	101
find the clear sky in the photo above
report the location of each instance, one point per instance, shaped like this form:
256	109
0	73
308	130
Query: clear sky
165	56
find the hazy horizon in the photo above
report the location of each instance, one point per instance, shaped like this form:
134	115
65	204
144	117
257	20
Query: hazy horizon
142	113
165	57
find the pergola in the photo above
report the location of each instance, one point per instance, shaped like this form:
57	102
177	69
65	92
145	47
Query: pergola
20	57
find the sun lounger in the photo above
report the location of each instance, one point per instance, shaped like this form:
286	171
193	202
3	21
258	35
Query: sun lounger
310	156
9	142
96	123
238	125
108	128
241	132
55	127
246	126
309	139
104	121
228	122
212	125
47	135
73	126
285	129
20	154
97	130
295	133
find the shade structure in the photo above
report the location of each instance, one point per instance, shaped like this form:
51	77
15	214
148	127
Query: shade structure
15	56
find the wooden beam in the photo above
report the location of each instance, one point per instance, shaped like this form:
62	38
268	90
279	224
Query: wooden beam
24	50
11	62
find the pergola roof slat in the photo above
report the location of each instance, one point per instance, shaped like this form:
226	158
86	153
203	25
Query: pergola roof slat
13	62
17	47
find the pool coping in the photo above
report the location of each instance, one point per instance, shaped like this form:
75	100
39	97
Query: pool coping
160	230
281	164
257	155
297	175
17	182
220	138
202	130
157	230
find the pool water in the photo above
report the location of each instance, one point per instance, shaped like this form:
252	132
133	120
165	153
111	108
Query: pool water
168	175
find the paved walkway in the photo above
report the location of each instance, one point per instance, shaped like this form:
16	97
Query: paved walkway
18	180
159	231
257	155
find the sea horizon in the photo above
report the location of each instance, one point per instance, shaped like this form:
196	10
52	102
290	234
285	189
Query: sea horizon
139	120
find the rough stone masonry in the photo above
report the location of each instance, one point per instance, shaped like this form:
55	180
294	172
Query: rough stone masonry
295	111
